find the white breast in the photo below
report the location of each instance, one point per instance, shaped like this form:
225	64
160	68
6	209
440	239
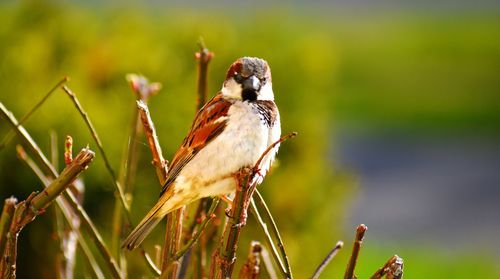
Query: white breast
241	144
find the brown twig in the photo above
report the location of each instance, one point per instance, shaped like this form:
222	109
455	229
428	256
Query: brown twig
360	233
26	211
118	188
393	268
69	202
5	221
68	237
65	210
225	256
142	90
11	135
159	162
251	269
327	260
199	230
204	56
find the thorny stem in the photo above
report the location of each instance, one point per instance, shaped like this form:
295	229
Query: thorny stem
328	259
360	233
11	134
69	200
35	204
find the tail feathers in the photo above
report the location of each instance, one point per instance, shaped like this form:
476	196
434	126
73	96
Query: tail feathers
154	216
141	231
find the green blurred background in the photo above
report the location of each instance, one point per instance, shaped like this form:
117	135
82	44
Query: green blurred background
351	78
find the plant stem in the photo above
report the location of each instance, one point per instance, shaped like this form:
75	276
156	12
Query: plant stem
26	211
65	210
393	268
118	188
328	259
69	202
251	269
11	134
6	220
198	231
360	233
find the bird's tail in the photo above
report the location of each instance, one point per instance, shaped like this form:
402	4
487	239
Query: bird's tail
165	205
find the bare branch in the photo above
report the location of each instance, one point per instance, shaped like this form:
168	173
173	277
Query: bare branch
69	202
327	260
393	268
360	233
11	134
251	269
158	161
26	211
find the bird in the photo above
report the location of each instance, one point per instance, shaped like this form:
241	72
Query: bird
229	133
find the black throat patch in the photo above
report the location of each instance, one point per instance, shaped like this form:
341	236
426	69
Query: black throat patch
249	95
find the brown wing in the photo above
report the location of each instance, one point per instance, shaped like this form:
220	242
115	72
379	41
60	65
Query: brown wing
209	122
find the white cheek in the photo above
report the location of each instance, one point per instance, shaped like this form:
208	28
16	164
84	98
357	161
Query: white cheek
232	90
266	92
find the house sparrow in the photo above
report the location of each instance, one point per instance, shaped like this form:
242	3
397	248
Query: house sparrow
229	133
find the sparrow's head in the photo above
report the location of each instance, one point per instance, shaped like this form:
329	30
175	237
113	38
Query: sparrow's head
248	79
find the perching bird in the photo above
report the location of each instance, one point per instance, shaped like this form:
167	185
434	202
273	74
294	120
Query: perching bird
229	133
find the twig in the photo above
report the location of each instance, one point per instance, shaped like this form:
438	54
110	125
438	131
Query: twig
360	233
11	135
68	238
86	119
149	129
6	220
268	264
327	260
393	268
35	204
67	213
226	254
199	231
69	202
204	56
170	265
269	238
142	90
251	269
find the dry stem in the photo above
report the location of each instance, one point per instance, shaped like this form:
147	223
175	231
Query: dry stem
360	233
393	268
11	134
327	260
251	269
69	202
26	211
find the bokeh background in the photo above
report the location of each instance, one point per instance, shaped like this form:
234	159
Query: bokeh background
397	105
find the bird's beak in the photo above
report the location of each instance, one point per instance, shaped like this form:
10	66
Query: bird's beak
251	83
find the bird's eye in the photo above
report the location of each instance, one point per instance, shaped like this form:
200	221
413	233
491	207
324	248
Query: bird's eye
263	80
238	78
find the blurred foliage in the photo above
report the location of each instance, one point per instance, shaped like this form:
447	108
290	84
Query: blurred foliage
408	71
